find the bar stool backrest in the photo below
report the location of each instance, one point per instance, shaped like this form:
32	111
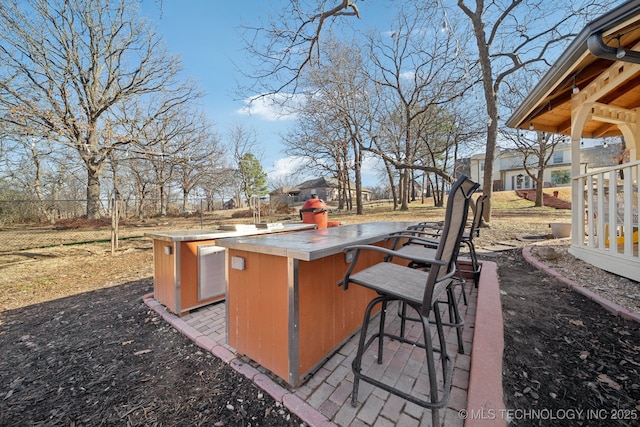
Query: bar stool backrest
477	216
449	244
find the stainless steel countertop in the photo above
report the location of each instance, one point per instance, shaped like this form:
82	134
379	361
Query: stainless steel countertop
314	244
210	234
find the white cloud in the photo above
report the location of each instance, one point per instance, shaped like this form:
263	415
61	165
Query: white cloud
288	169
407	75
293	170
271	107
372	165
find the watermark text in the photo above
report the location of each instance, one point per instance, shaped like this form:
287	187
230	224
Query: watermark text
549	414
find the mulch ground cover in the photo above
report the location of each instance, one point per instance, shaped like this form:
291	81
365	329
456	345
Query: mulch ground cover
567	361
103	358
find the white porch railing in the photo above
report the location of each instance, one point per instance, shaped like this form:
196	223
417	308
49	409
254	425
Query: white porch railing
605	231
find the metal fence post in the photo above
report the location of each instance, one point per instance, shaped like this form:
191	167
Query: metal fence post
114	225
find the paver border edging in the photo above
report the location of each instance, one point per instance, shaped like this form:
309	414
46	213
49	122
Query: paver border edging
485	396
610	306
288	399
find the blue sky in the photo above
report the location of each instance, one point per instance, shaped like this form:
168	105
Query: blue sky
205	36
205	33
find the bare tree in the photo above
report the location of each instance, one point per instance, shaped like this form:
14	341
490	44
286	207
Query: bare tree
36	154
197	161
337	112
289	42
513	36
139	180
288	180
216	181
68	64
537	150
323	141
36	170
414	73
168	147
384	109
164	153
442	134
241	142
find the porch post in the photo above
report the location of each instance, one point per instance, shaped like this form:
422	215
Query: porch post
580	113
630	132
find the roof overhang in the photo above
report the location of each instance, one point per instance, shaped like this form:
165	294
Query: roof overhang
592	52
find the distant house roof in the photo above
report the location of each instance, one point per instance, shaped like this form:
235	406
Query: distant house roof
601	156
319	182
283	190
595	156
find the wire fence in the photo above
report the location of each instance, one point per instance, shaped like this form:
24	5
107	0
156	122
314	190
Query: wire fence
28	224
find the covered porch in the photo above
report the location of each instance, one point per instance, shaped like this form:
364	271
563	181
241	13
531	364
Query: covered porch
593	91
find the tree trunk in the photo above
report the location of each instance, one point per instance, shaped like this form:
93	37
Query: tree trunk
539	188
491	99
404	190
438	192
341	197
342	191
489	159
37	182
392	185
413	186
94	210
490	95
163	202
358	177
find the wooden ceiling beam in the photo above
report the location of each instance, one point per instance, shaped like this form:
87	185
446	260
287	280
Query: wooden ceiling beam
623	89
603	130
565	127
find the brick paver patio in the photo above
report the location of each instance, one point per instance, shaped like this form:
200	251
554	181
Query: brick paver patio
324	398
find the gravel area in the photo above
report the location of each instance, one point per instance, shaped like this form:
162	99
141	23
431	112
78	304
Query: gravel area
617	289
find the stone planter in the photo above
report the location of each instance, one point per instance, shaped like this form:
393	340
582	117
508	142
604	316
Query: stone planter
560	229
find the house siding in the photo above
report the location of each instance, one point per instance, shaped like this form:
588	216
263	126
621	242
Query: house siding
509	172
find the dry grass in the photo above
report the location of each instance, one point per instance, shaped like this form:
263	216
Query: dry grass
504	204
37	275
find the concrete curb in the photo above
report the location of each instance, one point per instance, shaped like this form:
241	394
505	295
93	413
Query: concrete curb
611	307
289	400
485	397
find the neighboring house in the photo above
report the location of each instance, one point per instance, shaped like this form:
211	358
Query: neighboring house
509	172
593	91
229	204
326	188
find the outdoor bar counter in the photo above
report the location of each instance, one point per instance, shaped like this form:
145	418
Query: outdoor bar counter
284	308
188	266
